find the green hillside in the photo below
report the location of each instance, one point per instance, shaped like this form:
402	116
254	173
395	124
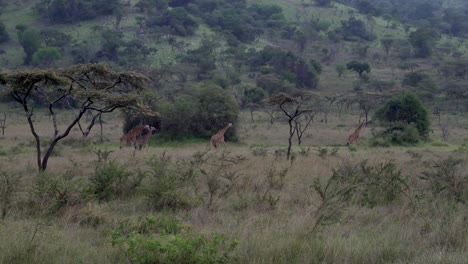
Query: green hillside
233	131
271	46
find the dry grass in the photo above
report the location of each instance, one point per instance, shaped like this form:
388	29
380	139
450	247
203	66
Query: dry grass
272	218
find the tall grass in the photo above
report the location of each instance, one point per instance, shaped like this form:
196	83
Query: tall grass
266	203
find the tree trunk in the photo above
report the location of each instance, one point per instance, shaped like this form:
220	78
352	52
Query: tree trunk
291	135
46	157
100	124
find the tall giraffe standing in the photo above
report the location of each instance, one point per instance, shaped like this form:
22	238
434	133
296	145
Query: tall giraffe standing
218	138
131	136
143	138
355	135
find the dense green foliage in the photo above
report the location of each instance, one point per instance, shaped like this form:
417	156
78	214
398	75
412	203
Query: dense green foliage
354	29
359	67
198	114
450	17
30	41
4	36
287	66
177	20
208	110
405	118
63	11
164	239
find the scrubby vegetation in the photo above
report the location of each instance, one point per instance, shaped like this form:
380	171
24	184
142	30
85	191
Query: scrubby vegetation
294	77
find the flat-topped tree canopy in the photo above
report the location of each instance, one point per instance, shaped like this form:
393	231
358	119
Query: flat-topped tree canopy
87	88
293	106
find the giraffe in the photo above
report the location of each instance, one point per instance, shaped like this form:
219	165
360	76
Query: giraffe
355	135
131	136
218	138
143	138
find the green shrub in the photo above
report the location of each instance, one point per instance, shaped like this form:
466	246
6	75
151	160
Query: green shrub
448	178
169	183
322	152
113	180
259	150
9	186
148	241
382	183
405	119
397	134
52	192
362	184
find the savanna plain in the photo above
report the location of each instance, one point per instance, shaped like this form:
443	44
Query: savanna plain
185	202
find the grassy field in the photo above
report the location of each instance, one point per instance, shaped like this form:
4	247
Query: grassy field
184	202
269	208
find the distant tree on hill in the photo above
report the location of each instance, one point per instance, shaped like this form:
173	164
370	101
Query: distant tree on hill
177	19
152	6
366	7
111	42
359	67
4	36
64	11
387	43
414	78
422	10
423	41
55	38
457	20
46	56
354	29
30	40
323	3
135	52
288	66
179	3
203	58
457	91
340	69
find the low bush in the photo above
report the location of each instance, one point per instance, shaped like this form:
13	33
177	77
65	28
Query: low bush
113	180
52	192
9	186
164	239
169	183
447	178
361	184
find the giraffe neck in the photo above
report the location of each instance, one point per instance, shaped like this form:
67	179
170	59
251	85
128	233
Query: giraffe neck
222	131
359	127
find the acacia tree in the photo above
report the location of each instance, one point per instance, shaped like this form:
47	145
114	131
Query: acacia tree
359	67
293	107
87	88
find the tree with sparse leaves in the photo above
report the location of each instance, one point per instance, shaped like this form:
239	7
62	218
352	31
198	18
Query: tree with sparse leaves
92	88
293	107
